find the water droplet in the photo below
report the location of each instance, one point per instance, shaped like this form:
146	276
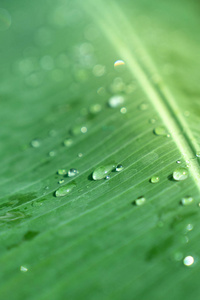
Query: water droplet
108	177
152	121
36	204
140	201
23	269
65	189
180	174
155	179
189	227
78	129
123	110
52	153
178	256
119	65
68	142
187	201
80	155
119	168
95	108
102	171
198	154
83	129
61	181
52	132
5	19
143	106
35	143
62	172
178	162
116	101
99	70
161	131
72	172
188	261
12	216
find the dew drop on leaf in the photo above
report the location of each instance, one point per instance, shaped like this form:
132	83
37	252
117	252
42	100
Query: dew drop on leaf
119	168
68	142
107	177
187	201
23	269
35	143
119	65
180	174
115	101
161	131
65	189
188	261
62	172
178	162
102	171
72	172
140	201
155	179
198	154
61	181
123	110
12	216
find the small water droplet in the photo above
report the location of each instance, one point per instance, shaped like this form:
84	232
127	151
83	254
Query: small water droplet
143	106
187	201
68	142
52	153
23	269
35	143
72	172
62	172
140	201
189	227
12	216
116	101
78	129
155	179
61	181
95	108
36	203
80	154
83	129
180	174
107	177
65	189
161	131
102	171
119	65
178	162
123	110
119	168
178	256
188	261
198	154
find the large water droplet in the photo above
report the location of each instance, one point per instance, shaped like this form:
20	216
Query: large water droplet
72	172
180	174
78	129
61	181
116	101
155	179
161	131
65	189
187	201
143	106
188	261
102	171
123	110
62	172
140	201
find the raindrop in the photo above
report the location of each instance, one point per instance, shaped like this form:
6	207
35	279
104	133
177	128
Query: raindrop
188	261
143	106
35	143
189	227
116	101
65	189
155	179
198	154
178	256
23	269
12	216
178	162
5	19
140	201
68	142
108	177
102	171
61	181
119	65
187	201
119	168
78	129
95	108
123	110
180	174
62	172
83	129
161	131
72	172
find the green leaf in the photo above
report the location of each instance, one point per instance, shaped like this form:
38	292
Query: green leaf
89	85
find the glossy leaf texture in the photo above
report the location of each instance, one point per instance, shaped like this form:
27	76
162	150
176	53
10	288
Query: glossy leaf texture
110	86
